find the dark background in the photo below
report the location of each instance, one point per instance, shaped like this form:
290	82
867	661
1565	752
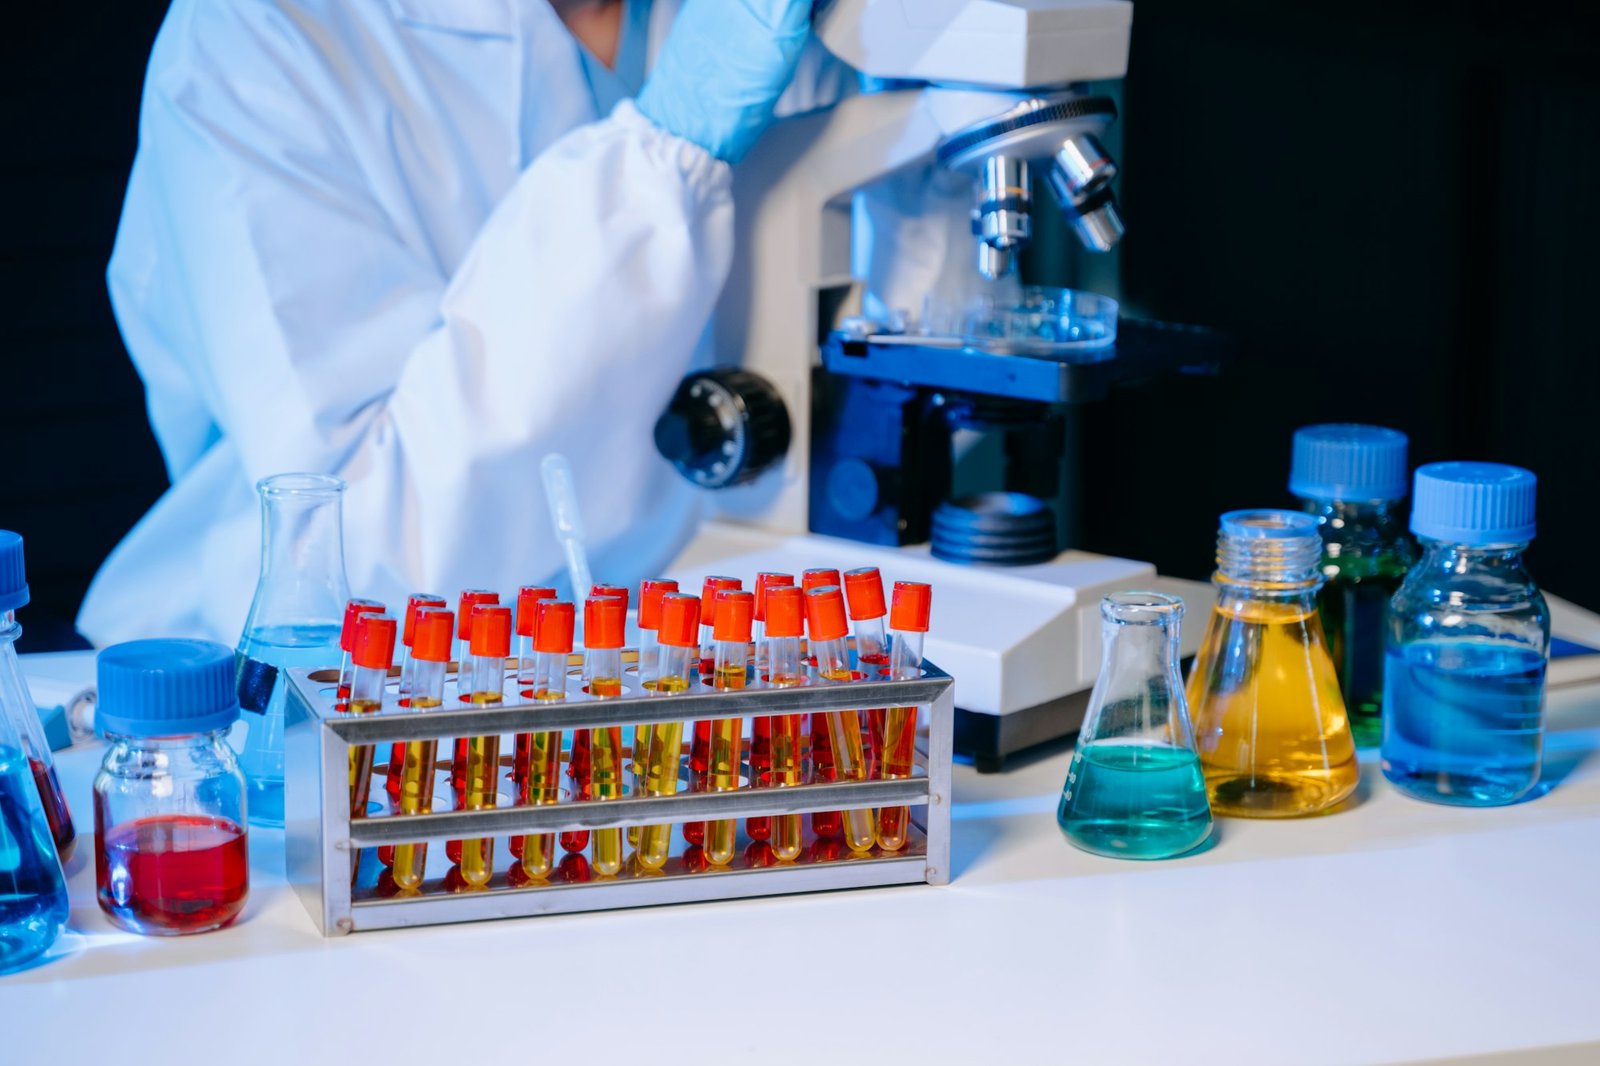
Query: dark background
1392	211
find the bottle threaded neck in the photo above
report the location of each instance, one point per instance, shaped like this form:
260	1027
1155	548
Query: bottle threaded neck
1276	547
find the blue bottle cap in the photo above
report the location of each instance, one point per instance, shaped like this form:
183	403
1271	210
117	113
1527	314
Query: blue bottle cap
1345	461
1474	503
13	575
164	688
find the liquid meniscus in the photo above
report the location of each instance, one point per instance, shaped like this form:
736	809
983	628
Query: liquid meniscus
1135	801
1463	721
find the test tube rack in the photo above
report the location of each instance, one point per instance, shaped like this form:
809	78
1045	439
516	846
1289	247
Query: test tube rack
322	841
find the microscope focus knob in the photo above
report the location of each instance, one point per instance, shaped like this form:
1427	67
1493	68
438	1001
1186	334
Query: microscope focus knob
723	427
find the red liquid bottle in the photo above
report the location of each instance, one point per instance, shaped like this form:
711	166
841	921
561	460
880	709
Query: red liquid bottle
176	873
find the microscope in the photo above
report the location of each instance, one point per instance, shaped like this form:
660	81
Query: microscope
826	433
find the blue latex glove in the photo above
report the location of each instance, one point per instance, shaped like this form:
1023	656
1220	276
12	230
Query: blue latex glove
722	69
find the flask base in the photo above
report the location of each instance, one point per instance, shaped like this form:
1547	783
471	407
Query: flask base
1279	795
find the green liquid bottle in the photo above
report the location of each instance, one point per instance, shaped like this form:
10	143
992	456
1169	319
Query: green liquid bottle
1352	479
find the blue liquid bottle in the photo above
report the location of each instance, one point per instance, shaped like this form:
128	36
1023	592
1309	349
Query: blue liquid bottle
294	620
1468	637
1134	789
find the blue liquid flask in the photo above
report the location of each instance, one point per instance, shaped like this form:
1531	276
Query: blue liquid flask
1135	789
294	620
1468	639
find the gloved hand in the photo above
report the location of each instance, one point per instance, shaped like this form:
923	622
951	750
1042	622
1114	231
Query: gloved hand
722	69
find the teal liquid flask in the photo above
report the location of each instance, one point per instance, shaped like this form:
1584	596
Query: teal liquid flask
1134	789
294	620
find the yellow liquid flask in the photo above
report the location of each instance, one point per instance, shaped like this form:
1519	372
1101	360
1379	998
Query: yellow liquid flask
605	619
432	633
1269	721
1134	789
678	663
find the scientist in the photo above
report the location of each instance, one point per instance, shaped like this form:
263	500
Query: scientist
419	244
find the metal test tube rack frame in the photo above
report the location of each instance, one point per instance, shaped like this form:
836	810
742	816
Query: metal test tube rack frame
321	840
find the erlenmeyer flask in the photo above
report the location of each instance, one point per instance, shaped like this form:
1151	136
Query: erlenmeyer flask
1134	789
1269	720
294	619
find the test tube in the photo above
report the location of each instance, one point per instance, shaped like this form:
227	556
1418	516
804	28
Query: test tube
732	637
605	620
785	623
700	736
823	823
490	647
863	598
470	599
371	654
908	618
760	828
540	777
353	610
650	592
680	622
408	626
433	631
825	621
528	599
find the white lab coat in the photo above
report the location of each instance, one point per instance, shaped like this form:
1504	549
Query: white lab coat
393	241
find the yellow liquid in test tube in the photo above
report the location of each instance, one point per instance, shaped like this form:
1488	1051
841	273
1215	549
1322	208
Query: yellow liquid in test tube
786	770
1275	743
661	777
844	734
416	797
897	758
544	789
482	794
722	769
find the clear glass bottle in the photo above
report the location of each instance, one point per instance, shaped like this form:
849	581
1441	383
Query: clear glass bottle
1269	721
33	894
1134	789
16	702
1468	641
171	848
1352	479
294	619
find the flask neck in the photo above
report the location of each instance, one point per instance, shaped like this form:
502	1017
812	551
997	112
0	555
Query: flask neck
302	552
1353	514
1505	560
1286	565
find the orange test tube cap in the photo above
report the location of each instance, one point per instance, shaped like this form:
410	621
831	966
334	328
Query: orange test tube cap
825	613
618	591
764	581
786	612
605	621
708	596
913	602
680	620
435	632
353	610
491	631
816	579
863	592
470	599
528	597
374	647
553	633
651	589
735	609
414	603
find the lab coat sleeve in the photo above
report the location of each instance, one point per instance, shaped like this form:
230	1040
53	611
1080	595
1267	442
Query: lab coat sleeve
324	339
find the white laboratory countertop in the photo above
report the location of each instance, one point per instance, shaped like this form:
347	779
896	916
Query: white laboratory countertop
1394	931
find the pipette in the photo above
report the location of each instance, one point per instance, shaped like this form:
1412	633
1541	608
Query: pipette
760	828
785	610
353	610
434	629
732	637
909	620
540	782
863	597
825	621
408	627
823	823
491	645
680	623
605	620
561	493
